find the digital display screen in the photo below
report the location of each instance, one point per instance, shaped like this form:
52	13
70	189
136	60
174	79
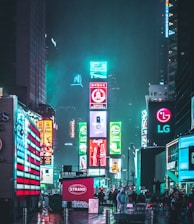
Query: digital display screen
98	95
45	128
82	130
98	69
27	156
186	158
97	153
115	167
115	138
160	123
98	124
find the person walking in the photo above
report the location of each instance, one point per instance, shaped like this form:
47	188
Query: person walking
101	196
114	199
122	200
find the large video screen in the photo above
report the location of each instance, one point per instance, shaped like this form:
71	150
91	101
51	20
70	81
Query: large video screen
186	158
98	95
82	130
98	69
115	138
98	153
160	123
115	167
27	156
98	124
45	128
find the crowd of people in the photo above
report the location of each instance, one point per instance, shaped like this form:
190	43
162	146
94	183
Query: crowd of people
178	204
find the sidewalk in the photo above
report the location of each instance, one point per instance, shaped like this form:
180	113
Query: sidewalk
73	217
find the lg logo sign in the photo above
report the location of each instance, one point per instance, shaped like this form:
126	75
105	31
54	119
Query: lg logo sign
163	116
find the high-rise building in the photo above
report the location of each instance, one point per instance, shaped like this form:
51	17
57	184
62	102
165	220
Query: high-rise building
22	50
180	59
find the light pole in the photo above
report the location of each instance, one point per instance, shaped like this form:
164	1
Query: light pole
131	164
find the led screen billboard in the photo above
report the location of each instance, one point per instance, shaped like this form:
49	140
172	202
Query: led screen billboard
160	123
97	152
144	127
98	95
186	158
83	162
98	69
46	141
98	124
115	138
115	167
82	130
27	156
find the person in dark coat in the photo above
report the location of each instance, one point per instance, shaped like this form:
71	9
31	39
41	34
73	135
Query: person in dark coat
101	196
114	199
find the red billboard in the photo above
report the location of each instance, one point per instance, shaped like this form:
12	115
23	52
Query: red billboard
98	95
81	189
98	152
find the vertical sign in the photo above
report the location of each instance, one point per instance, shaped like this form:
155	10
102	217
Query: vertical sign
98	95
115	138
46	141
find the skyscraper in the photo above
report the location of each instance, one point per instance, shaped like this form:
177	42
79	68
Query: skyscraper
181	57
22	50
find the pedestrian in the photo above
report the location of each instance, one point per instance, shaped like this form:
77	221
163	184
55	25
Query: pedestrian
46	204
122	200
101	196
175	207
114	199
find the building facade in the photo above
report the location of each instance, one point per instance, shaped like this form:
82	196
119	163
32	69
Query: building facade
22	50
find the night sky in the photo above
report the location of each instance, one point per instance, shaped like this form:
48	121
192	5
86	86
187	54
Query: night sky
121	32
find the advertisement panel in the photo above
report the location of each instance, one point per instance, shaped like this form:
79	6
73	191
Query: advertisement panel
160	123
83	163
46	175
186	158
144	128
77	191
192	113
82	130
98	152
115	138
98	69
27	156
98	95
98	124
115	167
46	141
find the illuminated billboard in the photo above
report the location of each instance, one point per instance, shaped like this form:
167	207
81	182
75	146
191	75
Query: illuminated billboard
115	167
98	69
98	95
97	152
82	130
160	123
115	138
186	158
27	156
46	175
77	191
46	141
83	162
98	124
144	128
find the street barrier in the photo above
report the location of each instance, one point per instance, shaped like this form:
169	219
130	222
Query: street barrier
25	216
66	215
107	216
